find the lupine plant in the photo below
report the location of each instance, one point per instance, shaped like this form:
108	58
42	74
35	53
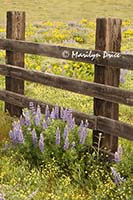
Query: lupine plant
117	177
39	138
55	135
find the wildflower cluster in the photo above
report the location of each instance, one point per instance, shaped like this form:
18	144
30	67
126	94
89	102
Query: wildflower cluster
55	138
16	135
37	132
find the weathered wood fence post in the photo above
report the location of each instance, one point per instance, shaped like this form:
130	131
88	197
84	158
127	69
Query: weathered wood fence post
108	38
15	30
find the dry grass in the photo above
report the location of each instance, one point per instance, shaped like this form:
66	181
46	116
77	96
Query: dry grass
66	10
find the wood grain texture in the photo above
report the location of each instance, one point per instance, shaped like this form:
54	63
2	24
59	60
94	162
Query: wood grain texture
116	128
100	123
108	38
23	101
116	60
104	92
15	30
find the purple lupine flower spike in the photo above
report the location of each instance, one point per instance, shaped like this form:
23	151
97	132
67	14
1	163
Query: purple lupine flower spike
41	143
57	136
16	135
56	112
66	131
66	143
69	118
38	116
26	115
22	122
20	137
37	120
117	178
44	124
47	112
72	124
65	115
12	134
38	112
83	136
52	115
34	137
81	126
18	132
12	137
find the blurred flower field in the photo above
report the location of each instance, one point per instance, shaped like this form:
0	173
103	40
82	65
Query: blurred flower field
38	158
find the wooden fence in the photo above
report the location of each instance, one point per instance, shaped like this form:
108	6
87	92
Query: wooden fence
107	59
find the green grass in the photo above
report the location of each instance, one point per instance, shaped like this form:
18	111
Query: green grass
27	173
5	126
66	10
60	97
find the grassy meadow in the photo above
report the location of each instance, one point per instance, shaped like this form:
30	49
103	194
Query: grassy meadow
42	162
41	10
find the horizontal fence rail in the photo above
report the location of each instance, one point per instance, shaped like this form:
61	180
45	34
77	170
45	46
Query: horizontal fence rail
104	92
116	128
23	101
100	123
101	58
